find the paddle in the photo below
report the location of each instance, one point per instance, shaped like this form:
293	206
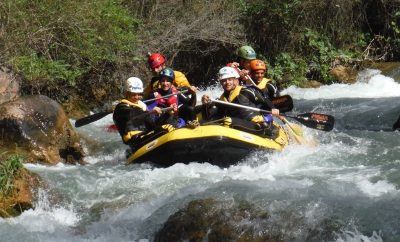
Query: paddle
94	117
397	124
318	121
294	132
283	103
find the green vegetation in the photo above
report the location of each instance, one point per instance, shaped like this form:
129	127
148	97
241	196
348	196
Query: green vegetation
303	38
9	169
65	47
84	49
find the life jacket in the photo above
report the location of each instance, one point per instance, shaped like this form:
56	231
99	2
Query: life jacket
167	102
232	95
263	83
139	104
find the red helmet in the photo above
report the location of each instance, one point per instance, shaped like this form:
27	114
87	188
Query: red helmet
155	60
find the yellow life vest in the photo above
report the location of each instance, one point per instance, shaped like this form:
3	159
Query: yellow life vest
232	95
139	104
263	83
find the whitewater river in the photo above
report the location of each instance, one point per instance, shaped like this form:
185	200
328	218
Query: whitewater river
351	178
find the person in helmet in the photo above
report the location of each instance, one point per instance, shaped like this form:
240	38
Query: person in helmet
157	63
245	54
182	103
127	111
241	118
258	69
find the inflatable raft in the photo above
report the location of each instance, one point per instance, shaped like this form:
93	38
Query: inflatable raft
216	144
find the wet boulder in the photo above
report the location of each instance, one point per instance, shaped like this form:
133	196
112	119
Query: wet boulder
9	86
344	74
240	220
211	220
22	197
38	128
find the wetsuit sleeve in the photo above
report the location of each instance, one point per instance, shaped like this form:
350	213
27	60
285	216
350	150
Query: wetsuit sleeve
246	101
120	117
257	97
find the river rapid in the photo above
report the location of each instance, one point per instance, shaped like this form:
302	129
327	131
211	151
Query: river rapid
352	178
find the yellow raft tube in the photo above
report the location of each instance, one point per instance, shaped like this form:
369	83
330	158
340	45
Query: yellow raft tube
215	144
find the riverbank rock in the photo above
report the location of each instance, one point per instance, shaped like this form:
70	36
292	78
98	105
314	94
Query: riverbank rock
24	194
37	128
344	74
391	69
311	84
9	86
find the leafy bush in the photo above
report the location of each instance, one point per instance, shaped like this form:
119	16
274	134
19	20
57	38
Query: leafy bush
56	44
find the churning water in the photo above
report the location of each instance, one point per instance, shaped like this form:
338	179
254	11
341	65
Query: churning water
351	179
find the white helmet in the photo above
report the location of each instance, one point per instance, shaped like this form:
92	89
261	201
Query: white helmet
227	72
134	84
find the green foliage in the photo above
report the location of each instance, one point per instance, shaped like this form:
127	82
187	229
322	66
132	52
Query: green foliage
40	71
56	42
288	70
82	48
9	169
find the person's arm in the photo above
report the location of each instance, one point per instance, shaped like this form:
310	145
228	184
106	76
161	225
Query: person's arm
209	110
188	98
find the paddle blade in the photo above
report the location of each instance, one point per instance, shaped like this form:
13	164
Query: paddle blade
91	118
283	103
318	121
397	124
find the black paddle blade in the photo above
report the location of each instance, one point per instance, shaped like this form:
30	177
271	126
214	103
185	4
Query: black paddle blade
283	103
397	124
318	121
91	118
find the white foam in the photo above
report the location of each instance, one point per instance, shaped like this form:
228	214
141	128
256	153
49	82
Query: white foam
370	84
45	218
356	236
376	189
58	167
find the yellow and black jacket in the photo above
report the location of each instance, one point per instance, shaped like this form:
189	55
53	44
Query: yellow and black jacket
129	119
240	95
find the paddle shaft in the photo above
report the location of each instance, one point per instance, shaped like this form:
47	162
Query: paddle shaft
241	106
312	120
